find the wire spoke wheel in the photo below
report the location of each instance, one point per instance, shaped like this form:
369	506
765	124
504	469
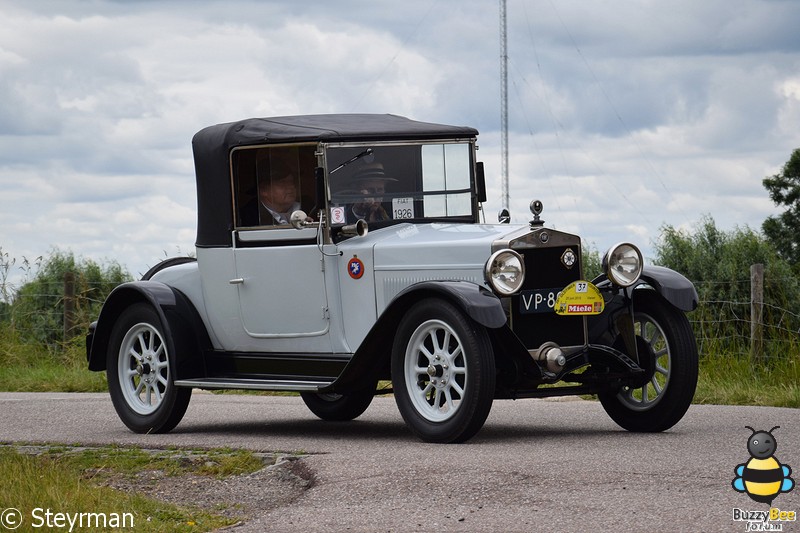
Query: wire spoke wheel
666	335
443	372
653	391
435	371
140	371
143	367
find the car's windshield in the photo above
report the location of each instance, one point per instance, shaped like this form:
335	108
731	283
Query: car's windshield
400	182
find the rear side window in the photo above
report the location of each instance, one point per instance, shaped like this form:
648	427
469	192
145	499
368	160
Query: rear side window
270	183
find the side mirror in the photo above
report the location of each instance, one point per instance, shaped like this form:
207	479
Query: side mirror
480	181
504	217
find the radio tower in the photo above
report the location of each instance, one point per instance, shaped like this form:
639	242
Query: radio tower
503	105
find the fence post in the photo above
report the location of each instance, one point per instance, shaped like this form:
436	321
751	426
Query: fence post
69	304
756	313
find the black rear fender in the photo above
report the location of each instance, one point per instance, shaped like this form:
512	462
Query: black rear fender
183	327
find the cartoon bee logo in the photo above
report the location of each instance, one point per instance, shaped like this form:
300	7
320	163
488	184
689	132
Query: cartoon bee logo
762	477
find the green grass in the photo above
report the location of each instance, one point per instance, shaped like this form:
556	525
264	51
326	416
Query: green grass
71	481
733	380
725	377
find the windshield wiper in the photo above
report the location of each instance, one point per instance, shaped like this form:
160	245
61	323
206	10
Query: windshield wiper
365	153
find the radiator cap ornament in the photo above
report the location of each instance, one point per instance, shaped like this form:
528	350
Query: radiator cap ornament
536	208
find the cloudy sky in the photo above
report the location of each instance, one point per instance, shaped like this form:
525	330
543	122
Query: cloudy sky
624	115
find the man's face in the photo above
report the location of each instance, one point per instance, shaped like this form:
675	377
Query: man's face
280	194
374	189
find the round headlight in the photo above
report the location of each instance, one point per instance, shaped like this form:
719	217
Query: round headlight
623	264
505	272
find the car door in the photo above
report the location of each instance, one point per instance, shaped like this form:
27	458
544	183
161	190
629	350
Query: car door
281	285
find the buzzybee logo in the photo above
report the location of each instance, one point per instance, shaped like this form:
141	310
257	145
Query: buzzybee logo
762	477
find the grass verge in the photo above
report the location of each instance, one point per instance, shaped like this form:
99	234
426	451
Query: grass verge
731	380
726	379
73	482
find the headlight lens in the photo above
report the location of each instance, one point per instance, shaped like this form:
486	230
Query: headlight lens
623	264
505	272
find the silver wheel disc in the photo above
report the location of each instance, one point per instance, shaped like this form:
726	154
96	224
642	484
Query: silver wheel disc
143	368
435	371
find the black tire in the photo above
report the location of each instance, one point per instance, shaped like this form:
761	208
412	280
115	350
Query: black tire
339	407
140	370
667	332
443	372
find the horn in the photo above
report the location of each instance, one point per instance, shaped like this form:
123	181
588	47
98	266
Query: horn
360	228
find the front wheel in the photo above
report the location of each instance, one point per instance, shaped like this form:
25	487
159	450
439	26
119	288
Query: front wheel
661	402
140	370
443	372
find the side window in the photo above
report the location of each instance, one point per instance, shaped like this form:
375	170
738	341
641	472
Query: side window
446	167
271	183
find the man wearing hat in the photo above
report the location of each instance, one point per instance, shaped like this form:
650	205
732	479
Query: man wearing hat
371	181
278	195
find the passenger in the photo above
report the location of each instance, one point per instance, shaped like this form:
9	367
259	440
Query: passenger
370	180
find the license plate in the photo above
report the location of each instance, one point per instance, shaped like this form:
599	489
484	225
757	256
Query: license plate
538	300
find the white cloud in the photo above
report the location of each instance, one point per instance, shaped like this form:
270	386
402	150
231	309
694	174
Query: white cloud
623	117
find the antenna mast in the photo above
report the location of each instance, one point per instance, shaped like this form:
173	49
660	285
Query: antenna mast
503	105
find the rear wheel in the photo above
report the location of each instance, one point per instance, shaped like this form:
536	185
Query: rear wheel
443	372
663	400
339	407
140	371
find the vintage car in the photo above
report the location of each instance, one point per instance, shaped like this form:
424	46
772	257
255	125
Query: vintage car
338	253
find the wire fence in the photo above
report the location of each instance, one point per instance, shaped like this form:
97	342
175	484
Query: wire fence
51	312
57	312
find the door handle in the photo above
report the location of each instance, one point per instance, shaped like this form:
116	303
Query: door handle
236	281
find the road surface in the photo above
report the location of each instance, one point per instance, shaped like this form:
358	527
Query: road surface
537	465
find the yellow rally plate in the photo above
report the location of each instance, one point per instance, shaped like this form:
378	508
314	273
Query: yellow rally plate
579	298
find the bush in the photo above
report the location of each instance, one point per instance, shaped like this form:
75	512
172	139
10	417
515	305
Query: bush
36	310
719	265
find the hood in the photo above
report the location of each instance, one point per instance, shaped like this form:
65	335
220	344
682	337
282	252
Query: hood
440	246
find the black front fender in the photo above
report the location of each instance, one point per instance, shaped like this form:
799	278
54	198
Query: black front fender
673	286
479	303
372	358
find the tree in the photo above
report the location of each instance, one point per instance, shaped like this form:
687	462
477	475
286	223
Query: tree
783	231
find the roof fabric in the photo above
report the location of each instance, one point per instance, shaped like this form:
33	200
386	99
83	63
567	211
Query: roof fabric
212	146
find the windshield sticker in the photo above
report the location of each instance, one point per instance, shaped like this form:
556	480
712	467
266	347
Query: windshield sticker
337	215
402	208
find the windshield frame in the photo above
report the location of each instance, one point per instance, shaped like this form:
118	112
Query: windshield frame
342	160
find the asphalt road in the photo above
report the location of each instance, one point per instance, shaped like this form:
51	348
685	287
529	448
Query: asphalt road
537	465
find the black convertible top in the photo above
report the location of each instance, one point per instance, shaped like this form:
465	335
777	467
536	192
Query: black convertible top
212	146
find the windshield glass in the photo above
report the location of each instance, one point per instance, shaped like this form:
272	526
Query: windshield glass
400	182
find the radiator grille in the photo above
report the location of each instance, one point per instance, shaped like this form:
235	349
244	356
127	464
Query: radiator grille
544	269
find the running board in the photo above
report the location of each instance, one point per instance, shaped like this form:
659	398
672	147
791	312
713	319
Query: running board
253	384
